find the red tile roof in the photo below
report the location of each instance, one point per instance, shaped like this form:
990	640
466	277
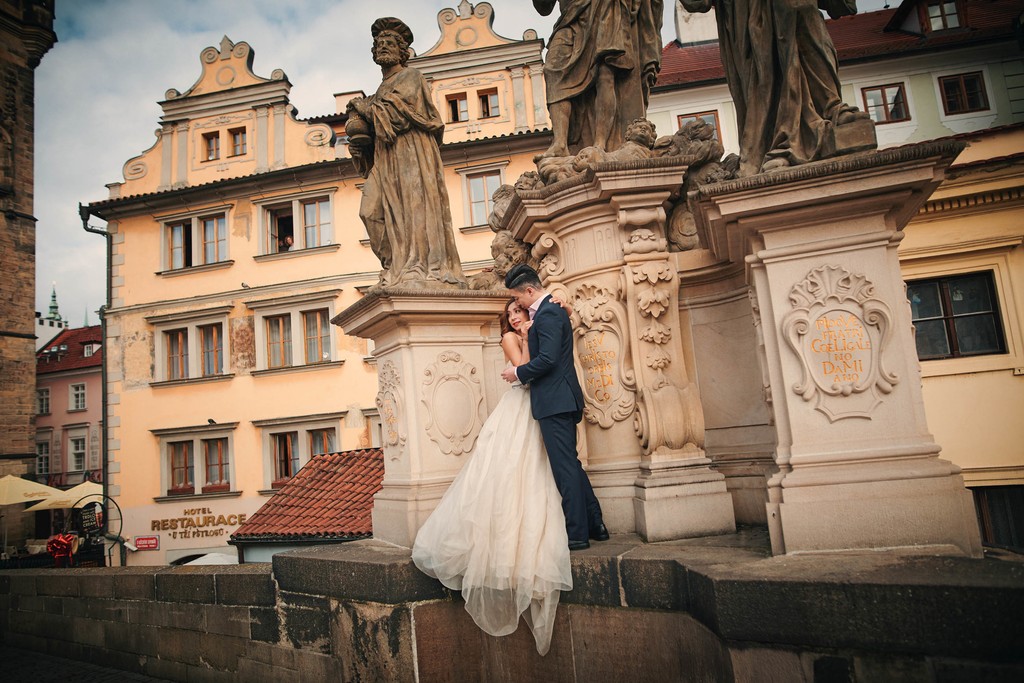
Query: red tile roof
330	499
857	38
73	358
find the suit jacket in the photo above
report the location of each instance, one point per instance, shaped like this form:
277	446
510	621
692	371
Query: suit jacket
554	388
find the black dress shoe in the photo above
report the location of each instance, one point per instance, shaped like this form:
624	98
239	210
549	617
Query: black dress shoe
579	545
599	532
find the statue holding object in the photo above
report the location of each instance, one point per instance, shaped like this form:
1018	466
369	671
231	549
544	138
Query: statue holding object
394	138
602	59
782	71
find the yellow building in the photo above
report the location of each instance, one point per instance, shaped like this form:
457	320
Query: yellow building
235	239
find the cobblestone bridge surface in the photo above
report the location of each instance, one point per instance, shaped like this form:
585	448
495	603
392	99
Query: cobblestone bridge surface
25	666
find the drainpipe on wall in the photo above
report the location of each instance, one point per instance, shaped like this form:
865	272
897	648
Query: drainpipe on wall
84	212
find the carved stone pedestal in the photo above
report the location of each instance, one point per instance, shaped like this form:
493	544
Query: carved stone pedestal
600	238
857	467
438	363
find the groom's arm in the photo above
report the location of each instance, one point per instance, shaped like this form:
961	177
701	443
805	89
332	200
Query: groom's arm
546	326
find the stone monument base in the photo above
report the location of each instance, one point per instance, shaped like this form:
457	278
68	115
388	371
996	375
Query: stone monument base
438	364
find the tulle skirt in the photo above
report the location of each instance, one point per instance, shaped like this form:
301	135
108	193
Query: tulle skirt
498	534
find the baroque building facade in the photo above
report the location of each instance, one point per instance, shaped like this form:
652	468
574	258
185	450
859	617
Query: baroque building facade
235	239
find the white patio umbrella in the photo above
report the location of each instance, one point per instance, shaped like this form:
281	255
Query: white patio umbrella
17	490
76	496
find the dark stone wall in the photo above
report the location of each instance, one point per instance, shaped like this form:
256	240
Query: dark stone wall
361	612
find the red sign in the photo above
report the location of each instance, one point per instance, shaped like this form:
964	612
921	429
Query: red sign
147	542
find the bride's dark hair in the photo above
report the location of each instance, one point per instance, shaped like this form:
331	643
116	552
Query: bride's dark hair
506	326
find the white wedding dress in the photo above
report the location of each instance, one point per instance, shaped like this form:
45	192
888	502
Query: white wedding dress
498	534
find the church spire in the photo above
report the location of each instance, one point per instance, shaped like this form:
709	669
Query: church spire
54	313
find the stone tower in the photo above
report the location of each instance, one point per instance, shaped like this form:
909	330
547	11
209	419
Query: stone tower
26	33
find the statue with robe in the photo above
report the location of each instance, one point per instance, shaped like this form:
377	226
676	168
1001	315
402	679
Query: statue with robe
782	71
405	205
603	57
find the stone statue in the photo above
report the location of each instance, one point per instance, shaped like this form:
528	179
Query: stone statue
640	136
405	202
781	67
603	57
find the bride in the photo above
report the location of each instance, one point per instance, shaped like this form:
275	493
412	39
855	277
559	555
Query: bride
498	534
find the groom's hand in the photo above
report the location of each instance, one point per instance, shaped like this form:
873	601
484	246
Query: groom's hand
509	375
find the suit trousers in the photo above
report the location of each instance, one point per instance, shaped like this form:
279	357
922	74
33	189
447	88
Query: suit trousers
580	505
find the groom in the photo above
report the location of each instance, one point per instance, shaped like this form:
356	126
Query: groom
557	403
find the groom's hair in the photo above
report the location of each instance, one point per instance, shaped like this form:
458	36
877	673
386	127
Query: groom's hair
521	277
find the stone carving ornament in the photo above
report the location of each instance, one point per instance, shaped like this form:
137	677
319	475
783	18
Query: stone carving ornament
839	330
391	410
602	348
455	403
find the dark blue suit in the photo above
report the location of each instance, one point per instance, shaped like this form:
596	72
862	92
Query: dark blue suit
556	400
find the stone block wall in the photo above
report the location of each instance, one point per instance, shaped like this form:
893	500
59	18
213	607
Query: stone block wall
640	613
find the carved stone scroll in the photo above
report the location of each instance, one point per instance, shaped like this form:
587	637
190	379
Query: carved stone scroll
838	330
602	348
390	407
454	403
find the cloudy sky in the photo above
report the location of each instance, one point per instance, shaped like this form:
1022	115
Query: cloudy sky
97	92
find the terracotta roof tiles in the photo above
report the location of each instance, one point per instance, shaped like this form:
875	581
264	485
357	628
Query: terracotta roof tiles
330	499
72	358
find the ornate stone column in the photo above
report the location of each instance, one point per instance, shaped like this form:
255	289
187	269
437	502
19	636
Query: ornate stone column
857	467
601	241
439	376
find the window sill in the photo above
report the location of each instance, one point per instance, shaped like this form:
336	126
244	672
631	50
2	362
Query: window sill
473	229
196	269
969	365
372	360
268	492
292	253
298	368
365	242
191	380
77	410
195	496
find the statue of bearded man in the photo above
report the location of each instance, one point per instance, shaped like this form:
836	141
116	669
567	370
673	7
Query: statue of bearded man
405	202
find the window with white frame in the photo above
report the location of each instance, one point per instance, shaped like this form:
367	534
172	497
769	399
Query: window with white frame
76	397
482	187
89	349
211	146
43	455
488	103
76	453
458	107
196	460
216	464
478	186
295	331
298	222
196	240
191	345
289	443
238	146
43	401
